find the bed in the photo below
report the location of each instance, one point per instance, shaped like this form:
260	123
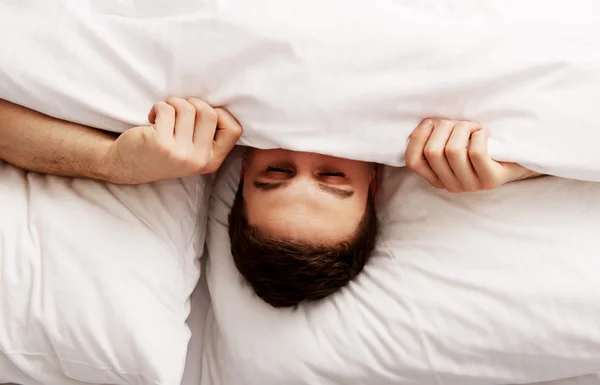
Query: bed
96	280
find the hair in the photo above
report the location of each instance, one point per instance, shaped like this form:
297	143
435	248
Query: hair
285	273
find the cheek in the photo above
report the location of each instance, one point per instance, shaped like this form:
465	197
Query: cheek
259	206
345	214
249	191
243	169
373	185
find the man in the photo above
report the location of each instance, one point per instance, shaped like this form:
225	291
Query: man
302	225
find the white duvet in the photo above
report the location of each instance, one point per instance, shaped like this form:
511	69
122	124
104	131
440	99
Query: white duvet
344	77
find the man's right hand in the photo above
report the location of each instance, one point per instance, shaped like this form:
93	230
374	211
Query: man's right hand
187	137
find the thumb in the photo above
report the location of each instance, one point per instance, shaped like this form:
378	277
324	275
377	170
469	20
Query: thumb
137	136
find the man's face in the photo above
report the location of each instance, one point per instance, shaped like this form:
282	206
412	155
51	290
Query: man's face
303	196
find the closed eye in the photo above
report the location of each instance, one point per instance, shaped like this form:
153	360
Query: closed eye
333	174
280	170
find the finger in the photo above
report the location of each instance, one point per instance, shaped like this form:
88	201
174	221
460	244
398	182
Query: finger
484	166
435	154
206	124
415	158
152	115
228	133
458	157
162	116
185	117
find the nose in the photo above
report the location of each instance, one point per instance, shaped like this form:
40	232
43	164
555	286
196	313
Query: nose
303	192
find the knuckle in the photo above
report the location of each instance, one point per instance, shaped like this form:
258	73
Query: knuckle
148	134
453	151
174	100
187	108
463	129
478	135
163	148
413	163
424	129
203	108
198	104
179	157
201	165
236	130
181	105
164	108
209	114
159	106
466	125
433	153
444	122
475	154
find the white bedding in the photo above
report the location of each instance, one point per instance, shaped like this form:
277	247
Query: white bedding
590	379
200	306
95	279
344	77
497	287
352	78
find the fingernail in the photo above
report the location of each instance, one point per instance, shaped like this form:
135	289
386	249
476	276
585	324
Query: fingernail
427	123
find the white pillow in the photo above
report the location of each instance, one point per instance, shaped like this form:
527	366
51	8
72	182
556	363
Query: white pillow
95	279
200	306
496	287
344	77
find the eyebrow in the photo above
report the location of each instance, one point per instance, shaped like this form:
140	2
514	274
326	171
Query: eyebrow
341	193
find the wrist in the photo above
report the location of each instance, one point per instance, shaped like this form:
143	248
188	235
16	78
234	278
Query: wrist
102	163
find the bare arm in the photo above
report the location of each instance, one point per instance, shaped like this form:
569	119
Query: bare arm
43	144
187	137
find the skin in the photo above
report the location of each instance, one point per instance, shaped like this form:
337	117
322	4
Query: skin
453	155
185	137
306	196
